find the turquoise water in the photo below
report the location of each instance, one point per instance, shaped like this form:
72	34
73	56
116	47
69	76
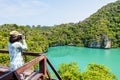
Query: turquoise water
83	56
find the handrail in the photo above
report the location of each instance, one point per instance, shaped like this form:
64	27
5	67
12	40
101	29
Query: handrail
24	53
26	66
41	59
29	64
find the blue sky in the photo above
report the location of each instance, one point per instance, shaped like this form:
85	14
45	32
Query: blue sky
47	12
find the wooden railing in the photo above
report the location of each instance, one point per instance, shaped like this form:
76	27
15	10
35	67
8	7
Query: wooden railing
42	73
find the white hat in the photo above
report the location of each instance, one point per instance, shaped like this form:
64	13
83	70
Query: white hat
15	33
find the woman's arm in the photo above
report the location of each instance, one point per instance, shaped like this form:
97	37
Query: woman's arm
22	45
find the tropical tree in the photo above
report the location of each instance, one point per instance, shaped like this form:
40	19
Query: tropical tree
70	71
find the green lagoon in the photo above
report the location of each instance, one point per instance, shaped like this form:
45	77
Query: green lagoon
83	56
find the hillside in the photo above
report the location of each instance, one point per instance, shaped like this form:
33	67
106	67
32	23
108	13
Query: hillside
106	21
99	30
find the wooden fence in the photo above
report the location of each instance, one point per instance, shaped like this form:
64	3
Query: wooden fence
41	74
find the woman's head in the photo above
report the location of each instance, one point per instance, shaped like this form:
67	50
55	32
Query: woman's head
15	36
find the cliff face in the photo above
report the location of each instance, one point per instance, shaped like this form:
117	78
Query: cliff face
108	44
104	43
95	44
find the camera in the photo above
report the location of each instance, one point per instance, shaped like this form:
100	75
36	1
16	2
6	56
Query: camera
20	37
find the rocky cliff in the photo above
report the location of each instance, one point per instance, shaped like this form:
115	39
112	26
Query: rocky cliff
104	43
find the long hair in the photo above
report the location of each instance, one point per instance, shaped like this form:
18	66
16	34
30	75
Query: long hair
13	39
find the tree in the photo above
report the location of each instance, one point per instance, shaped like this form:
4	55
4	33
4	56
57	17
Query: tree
97	72
70	71
93	72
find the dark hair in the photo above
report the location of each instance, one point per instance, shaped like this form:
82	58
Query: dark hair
13	39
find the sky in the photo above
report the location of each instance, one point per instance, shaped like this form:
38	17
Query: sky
47	12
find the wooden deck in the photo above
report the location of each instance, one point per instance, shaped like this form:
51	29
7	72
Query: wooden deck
41	74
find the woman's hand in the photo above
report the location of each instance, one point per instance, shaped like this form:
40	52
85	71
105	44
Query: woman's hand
23	37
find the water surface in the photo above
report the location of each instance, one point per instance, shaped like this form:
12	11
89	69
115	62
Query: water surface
83	56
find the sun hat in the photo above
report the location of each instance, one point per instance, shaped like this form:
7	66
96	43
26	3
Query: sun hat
14	33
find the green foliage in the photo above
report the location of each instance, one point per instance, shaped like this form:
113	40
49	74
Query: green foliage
105	21
97	72
4	59
93	72
69	71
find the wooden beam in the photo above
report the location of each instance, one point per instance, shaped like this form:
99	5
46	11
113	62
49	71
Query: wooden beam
8	76
3	70
3	51
24	53
29	64
58	76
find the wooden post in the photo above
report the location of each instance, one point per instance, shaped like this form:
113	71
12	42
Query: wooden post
42	67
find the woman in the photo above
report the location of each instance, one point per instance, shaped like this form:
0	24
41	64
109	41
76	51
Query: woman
16	44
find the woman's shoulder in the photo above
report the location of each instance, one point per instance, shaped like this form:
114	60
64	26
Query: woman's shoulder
16	44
